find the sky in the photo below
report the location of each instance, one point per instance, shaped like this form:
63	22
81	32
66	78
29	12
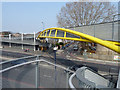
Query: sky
27	17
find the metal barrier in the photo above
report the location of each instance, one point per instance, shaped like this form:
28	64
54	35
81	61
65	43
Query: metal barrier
17	59
37	70
70	81
81	75
89	79
1	71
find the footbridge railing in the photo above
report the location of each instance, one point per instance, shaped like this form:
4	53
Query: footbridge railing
37	68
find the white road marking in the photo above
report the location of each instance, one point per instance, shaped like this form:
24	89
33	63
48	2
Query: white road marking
47	76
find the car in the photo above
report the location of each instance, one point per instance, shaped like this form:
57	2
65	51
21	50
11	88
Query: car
26	50
75	48
18	62
67	45
75	67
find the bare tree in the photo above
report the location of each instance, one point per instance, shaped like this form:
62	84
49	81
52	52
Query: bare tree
85	13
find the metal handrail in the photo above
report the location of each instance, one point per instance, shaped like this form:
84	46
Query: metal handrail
17	59
70	81
35	61
6	69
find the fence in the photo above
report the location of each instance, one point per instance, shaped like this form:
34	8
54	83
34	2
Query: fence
33	74
105	31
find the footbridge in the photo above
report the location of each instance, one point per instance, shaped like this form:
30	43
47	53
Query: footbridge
67	34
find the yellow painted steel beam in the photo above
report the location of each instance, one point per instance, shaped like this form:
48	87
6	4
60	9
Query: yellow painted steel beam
50	33
88	37
56	33
46	33
43	33
67	38
64	34
113	42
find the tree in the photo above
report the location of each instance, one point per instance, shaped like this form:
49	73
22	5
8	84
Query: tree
85	13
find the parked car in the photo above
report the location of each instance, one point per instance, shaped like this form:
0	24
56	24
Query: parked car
75	47
75	67
26	50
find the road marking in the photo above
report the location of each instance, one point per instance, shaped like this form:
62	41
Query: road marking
47	76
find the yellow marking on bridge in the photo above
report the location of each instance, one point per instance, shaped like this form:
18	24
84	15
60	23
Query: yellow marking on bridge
109	44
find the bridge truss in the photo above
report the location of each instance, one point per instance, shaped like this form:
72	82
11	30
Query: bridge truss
62	33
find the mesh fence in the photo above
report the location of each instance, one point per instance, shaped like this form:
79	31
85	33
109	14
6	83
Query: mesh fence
106	31
24	76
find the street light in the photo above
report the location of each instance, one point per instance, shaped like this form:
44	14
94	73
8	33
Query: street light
43	25
55	49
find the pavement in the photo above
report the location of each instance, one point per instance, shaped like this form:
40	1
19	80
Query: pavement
74	57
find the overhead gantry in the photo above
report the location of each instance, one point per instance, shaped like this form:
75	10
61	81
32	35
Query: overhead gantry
62	33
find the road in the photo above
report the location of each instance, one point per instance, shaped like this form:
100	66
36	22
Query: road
48	73
13	54
62	60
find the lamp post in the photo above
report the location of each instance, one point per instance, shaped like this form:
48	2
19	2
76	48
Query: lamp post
55	49
43	25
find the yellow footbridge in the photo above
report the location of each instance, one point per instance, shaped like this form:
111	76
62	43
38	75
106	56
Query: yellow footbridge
55	33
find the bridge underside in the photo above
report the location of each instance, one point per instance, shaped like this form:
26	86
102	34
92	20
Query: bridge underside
61	33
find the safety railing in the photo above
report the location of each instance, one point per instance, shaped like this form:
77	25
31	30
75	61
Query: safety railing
89	79
18	59
57	75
